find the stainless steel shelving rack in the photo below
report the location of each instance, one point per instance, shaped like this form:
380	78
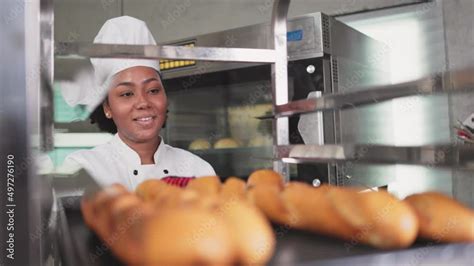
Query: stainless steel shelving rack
442	155
283	153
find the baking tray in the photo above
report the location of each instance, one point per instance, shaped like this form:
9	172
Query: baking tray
80	246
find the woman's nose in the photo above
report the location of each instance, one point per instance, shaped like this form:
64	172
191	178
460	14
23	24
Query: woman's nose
142	101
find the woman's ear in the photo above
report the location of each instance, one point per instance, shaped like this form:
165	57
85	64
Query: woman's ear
107	110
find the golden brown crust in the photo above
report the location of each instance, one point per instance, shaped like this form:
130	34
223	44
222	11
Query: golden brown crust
441	218
153	190
101	206
125	213
312	210
265	177
188	237
251	232
268	201
156	225
206	185
233	188
380	219
375	218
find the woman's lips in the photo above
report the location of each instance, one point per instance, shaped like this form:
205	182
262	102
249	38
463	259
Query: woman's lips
145	121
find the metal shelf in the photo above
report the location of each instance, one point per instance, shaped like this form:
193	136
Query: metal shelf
85	50
460	156
425	86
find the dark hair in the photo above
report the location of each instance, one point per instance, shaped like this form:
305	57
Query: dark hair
106	124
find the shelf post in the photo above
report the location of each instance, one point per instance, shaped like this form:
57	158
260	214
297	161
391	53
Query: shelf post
279	75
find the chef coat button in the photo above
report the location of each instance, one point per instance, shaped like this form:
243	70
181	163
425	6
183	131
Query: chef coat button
135	172
165	171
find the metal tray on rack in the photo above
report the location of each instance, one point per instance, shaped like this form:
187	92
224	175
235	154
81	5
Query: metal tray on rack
80	246
444	155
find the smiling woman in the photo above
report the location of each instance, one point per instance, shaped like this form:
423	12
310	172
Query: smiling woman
130	101
137	105
98	116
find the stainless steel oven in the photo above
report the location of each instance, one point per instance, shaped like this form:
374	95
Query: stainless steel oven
212	101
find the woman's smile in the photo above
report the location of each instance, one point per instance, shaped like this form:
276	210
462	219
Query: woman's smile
145	121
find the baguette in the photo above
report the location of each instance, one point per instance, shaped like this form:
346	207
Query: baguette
441	218
380	219
166	225
187	237
311	209
233	188
265	178
100	219
206	185
155	190
374	218
269	202
128	213
160	194
250	231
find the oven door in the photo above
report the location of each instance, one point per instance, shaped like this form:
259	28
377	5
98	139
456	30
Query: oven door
217	116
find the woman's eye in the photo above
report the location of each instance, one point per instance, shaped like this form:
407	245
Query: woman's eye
154	91
126	94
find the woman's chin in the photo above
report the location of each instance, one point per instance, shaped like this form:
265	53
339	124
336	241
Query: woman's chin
142	137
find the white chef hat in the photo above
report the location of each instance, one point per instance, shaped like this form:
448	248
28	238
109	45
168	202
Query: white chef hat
90	90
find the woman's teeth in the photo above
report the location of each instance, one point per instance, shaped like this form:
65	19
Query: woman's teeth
144	119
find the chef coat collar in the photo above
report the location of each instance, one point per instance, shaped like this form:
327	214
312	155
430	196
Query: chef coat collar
132	156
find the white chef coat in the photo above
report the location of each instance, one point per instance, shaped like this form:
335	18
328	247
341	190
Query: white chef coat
116	162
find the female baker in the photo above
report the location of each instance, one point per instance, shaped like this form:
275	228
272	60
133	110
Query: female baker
130	101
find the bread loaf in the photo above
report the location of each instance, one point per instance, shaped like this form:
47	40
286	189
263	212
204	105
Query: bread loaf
226	143
250	231
441	218
101	219
233	188
206	185
188	237
159	193
380	219
210	223
200	144
374	218
266	178
311	209
269	201
128	215
163	224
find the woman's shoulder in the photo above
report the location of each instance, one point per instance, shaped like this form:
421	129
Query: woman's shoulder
94	153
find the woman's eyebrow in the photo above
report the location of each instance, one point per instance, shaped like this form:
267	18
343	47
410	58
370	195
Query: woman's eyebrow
131	84
149	80
125	83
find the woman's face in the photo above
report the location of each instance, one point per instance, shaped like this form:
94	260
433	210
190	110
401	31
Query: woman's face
137	103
